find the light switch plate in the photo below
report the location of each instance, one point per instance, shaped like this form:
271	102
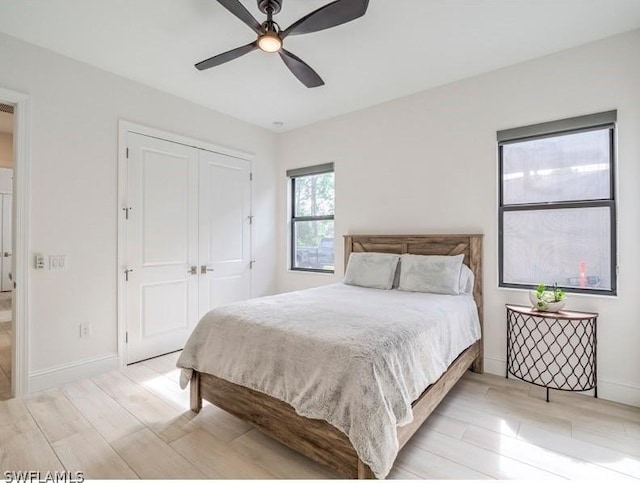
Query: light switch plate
57	262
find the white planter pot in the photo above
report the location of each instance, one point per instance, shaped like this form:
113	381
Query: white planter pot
543	305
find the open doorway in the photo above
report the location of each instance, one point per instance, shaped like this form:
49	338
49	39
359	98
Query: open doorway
6	285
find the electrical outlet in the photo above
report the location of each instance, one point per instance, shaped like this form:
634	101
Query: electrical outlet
58	262
85	331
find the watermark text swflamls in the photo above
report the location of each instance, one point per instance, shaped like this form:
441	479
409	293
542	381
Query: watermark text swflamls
44	476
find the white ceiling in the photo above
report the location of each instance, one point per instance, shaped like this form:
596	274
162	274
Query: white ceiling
398	48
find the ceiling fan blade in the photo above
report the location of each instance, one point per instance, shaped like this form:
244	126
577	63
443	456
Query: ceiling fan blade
300	69
236	8
331	15
226	57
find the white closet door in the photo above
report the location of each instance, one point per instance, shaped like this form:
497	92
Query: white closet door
7	249
225	230
162	246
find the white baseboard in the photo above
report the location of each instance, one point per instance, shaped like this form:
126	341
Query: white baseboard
619	392
495	366
65	373
609	390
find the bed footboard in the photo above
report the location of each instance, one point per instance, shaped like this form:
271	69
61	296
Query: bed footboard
313	438
364	472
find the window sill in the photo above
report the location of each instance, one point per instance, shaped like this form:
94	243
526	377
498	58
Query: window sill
310	272
569	294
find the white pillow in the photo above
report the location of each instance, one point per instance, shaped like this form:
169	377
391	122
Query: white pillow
466	280
431	273
372	270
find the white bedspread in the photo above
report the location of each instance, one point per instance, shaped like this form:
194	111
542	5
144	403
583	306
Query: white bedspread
355	357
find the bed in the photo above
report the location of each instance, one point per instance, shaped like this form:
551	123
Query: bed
306	428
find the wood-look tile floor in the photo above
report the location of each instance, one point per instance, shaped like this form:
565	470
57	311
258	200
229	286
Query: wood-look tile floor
136	423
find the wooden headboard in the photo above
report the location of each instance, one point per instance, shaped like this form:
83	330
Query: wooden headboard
469	245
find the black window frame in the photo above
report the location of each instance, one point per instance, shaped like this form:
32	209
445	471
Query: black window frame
293	174
562	127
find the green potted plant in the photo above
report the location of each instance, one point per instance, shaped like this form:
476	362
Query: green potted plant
547	300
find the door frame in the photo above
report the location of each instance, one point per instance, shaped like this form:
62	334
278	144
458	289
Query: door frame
21	237
125	127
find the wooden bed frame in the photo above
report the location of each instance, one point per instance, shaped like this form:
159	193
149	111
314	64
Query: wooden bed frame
316	438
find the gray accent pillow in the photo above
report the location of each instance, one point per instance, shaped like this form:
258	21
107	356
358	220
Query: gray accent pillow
431	273
372	270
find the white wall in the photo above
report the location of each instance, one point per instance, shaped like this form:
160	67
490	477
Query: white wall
427	164
6	150
75	113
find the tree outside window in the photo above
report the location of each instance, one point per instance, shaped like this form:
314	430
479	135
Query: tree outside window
312	219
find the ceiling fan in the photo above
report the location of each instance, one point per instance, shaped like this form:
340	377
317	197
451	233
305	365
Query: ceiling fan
271	37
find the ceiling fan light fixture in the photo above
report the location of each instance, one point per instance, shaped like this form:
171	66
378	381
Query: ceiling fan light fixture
269	42
271	37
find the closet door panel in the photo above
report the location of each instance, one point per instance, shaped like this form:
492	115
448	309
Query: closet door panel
162	246
225	230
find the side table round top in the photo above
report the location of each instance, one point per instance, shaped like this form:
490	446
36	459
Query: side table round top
562	314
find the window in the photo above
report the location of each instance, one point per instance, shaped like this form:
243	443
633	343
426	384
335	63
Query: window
557	213
312	212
